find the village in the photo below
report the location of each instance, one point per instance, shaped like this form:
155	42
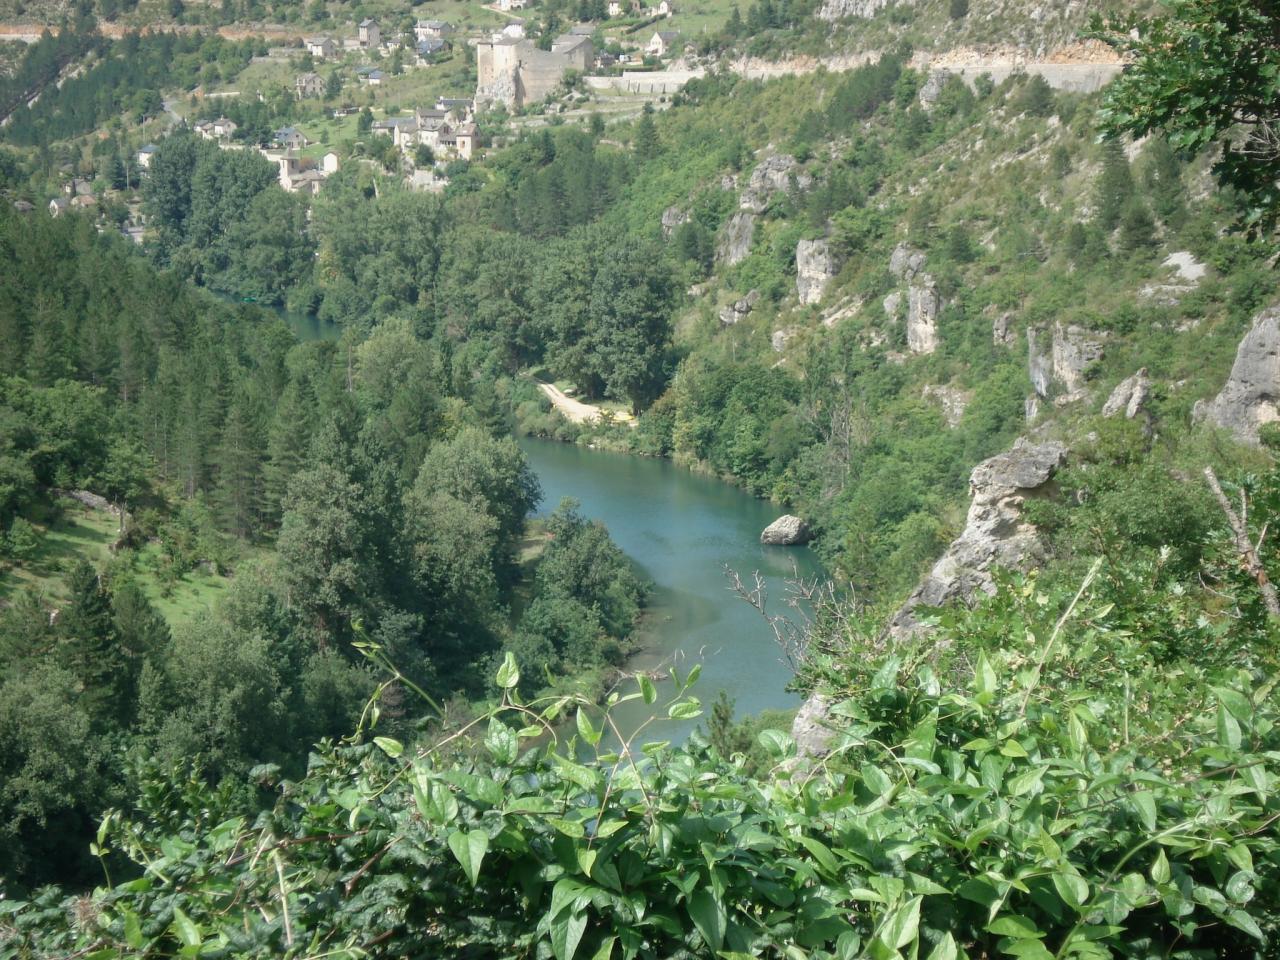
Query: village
517	71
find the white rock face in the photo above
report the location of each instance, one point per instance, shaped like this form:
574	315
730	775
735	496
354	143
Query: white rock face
786	531
1075	350
1129	397
1072	353
994	535
735	238
892	304
1251	396
781	338
839	9
923	305
815	267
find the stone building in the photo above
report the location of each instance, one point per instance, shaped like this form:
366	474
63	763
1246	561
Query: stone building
515	72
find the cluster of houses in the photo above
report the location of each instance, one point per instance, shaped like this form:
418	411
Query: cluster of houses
448	129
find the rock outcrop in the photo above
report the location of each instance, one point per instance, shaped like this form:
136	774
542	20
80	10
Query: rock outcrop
778	173
780	338
1075	351
952	400
1002	334
735	238
1129	397
786	531
673	217
1251	396
740	309
906	262
815	267
1071	355
994	535
923	306
839	9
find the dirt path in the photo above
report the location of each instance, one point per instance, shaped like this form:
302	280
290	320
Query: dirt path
575	411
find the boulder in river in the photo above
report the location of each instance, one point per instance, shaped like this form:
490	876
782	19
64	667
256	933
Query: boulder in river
786	531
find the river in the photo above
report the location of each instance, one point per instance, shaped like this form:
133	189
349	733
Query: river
682	530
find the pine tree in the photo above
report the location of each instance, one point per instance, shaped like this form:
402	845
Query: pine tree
93	654
959	9
1115	186
645	139
1137	228
288	438
239	463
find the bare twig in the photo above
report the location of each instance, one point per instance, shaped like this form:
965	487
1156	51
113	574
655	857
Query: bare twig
1244	546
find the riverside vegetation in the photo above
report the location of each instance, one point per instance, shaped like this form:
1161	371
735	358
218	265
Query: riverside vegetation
1082	765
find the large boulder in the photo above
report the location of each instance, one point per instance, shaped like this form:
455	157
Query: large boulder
740	309
735	238
923	306
815	267
994	535
786	531
1251	396
1129	397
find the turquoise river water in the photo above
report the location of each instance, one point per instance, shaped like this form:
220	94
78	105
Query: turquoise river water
683	530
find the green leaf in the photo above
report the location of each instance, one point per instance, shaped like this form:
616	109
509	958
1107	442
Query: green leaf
1016	926
469	848
902	926
984	678
945	950
132	930
392	748
778	743
586	730
501	742
508	673
1242	921
566	934
1228	729
185	928
708	916
820	853
1145	804
692	678
1073	890
1027	782
687	709
606	949
647	690
1160	872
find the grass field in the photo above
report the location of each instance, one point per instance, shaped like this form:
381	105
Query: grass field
74	532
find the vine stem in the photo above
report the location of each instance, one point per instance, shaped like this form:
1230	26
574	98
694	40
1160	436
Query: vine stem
1057	629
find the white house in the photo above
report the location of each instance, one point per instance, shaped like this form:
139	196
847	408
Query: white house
145	155
661	43
321	48
426	29
664	8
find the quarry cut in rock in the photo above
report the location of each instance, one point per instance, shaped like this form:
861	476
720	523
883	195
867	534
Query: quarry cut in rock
786	531
1251	396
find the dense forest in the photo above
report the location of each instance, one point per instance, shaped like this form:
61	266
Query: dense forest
392	734
395	507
